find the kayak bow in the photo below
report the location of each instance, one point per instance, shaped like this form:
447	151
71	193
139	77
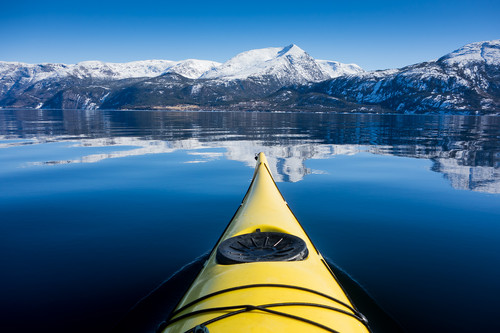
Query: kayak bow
265	275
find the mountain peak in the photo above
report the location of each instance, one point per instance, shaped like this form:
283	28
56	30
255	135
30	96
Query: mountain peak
289	64
487	51
291	49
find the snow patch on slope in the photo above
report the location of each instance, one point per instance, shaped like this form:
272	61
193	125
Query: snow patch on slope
488	52
335	68
246	64
193	68
135	69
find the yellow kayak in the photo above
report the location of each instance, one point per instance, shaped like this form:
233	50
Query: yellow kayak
265	275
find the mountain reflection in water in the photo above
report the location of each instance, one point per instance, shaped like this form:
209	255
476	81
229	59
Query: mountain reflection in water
465	149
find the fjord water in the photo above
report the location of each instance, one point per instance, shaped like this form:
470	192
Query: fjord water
97	208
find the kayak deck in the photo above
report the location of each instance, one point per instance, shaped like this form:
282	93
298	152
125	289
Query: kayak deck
265	293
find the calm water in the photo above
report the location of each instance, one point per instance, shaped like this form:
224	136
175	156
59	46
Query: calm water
98	208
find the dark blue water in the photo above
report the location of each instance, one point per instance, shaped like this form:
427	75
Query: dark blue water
98	208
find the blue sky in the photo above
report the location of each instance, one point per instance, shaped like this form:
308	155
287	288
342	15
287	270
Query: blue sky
373	34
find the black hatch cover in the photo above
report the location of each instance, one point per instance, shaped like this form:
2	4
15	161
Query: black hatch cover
261	246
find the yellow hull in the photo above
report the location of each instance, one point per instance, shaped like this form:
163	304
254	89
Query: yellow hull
265	295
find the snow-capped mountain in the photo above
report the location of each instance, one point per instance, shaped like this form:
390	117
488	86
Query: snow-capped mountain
85	84
467	79
481	52
289	65
190	68
464	81
92	84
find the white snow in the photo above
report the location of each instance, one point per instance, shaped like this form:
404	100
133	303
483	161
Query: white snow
488	52
193	68
190	68
335	68
288	64
245	64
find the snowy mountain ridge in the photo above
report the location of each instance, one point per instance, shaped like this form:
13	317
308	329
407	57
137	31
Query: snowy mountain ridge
291	63
190	68
335	68
466	81
487	52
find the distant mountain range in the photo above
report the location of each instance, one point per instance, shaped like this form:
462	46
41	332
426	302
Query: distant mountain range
464	81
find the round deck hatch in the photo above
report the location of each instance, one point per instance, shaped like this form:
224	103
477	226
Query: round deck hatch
261	246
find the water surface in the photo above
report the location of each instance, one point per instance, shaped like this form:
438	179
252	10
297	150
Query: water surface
99	207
